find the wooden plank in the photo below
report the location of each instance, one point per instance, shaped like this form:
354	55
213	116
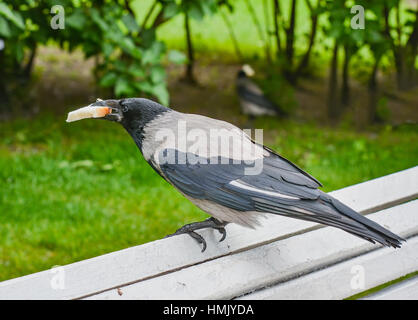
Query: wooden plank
384	192
234	275
405	290
167	255
343	279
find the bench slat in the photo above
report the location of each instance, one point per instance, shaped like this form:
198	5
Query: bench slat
234	275
406	290
380	193
168	255
341	280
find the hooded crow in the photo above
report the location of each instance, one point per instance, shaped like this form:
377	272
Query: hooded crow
252	99
224	172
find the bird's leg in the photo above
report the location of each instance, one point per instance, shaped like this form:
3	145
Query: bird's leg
208	223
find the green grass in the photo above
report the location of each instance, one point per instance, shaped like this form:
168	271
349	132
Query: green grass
382	286
71	192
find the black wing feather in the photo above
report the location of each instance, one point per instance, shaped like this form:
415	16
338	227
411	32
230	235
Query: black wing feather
212	182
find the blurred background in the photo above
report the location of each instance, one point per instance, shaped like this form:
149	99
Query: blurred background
69	192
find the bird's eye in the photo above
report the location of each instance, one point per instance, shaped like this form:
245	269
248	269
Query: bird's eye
125	108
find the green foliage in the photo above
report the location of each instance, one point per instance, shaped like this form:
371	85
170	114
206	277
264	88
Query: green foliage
129	55
129	59
123	34
13	17
130	62
196	9
378	27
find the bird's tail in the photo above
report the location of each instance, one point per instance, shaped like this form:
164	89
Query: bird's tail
361	226
329	211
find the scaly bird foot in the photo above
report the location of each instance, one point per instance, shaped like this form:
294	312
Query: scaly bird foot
208	223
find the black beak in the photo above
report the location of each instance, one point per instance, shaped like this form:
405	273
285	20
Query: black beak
116	112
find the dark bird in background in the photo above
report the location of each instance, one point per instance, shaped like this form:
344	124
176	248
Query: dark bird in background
221	183
252	99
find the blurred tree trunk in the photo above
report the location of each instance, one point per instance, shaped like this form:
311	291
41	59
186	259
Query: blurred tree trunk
267	30
14	79
290	41
4	99
411	54
314	26
27	70
404	55
333	103
276	18
189	77
373	93
345	86
259	29
292	71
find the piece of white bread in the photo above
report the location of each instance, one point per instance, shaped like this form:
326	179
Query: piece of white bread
88	112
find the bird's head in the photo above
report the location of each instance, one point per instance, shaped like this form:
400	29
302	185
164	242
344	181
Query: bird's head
246	71
132	113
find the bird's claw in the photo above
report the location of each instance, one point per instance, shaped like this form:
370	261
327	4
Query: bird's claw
199	239
223	232
192	234
209	223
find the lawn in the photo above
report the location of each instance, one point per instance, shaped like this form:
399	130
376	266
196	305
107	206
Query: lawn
75	191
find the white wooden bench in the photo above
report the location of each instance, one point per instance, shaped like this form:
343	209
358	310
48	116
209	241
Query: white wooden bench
285	259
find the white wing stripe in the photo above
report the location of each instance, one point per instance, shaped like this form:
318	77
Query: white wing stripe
236	183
